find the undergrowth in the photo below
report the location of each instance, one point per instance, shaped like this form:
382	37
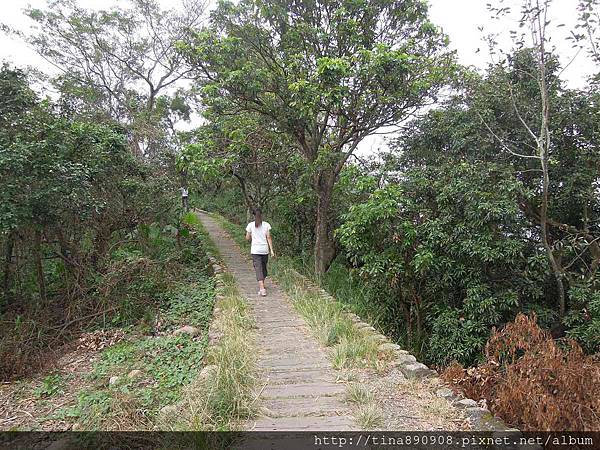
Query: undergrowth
534	382
124	291
134	379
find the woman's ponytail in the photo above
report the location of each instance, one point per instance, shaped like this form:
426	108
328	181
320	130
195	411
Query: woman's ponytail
257	218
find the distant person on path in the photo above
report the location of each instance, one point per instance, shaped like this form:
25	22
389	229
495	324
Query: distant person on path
184	198
258	232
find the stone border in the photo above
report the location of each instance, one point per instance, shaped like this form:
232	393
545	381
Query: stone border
480	416
218	270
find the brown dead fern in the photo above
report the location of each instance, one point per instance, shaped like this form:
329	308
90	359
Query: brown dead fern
532	381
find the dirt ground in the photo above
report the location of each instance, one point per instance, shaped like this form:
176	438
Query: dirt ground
39	404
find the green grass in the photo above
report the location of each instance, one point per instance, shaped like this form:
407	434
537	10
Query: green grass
328	320
348	290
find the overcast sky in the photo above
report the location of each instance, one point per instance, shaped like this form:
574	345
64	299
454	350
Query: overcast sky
460	19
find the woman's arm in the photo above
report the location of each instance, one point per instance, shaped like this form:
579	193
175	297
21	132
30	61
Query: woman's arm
270	241
248	236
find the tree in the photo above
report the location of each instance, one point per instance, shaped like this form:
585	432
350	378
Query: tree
123	62
588	27
16	102
441	246
68	188
243	147
477	126
328	73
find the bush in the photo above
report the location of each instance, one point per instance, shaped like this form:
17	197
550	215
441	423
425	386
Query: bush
534	382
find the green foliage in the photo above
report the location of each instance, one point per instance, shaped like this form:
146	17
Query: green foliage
440	239
189	305
168	363
583	320
51	385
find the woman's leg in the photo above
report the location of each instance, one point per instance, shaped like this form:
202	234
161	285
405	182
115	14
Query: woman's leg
258	269
264	261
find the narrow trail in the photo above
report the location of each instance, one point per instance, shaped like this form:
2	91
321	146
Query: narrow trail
300	390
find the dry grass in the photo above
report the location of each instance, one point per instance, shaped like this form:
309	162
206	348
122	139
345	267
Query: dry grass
223	398
369	416
356	393
351	346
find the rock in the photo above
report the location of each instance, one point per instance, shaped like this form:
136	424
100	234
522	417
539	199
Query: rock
483	420
405	358
416	370
403	352
207	371
466	403
388	347
216	311
135	373
214	337
167	411
379	338
113	380
188	329
365	326
444	393
476	413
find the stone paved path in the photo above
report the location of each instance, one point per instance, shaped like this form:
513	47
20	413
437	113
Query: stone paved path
300	390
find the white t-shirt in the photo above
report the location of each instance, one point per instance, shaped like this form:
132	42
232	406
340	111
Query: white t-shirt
184	192
259	246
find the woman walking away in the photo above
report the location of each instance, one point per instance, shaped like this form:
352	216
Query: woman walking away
259	233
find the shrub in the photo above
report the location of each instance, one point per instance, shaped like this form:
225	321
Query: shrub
534	382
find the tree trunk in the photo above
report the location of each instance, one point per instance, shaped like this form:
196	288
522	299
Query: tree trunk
39	266
543	143
7	281
324	250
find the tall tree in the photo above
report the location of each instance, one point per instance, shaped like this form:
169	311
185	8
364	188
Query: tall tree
121	61
328	73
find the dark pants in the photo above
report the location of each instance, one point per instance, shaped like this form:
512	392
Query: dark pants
184	202
260	266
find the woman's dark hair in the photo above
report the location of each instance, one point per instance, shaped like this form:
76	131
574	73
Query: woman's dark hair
257	217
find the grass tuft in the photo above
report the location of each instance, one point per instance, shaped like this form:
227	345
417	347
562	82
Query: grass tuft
356	393
369	416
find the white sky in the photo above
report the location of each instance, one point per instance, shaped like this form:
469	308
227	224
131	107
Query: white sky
459	19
